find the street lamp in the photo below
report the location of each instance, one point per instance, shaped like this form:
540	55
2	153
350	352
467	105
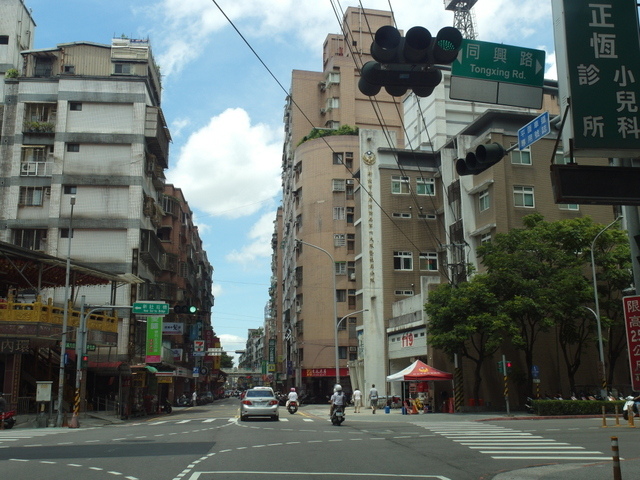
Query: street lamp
335	300
597	303
65	316
335	336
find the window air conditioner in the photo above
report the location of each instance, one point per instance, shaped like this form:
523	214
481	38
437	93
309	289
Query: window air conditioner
352	277
353	349
323	111
349	181
298	309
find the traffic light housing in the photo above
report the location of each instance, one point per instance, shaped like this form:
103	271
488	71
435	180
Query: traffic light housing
408	63
185	309
485	156
84	361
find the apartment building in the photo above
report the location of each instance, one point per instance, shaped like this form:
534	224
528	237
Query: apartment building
84	148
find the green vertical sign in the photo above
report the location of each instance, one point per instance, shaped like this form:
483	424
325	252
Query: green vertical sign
602	50
154	340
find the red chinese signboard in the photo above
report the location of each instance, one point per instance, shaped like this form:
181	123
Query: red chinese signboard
324	372
632	323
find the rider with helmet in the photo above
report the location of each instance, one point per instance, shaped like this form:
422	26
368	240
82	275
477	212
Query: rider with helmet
292	397
337	399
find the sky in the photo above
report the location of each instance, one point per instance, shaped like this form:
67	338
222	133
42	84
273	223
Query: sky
225	109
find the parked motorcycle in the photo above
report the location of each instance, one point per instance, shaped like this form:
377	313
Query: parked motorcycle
337	417
184	401
629	404
8	419
292	407
167	408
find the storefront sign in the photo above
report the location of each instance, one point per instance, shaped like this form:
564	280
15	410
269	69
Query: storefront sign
632	323
14	345
173	328
324	372
154	340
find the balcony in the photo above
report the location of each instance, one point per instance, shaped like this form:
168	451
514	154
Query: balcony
36	169
42	315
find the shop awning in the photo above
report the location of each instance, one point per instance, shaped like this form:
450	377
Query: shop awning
109	368
148	368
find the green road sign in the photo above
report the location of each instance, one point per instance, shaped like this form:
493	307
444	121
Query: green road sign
90	347
151	308
499	63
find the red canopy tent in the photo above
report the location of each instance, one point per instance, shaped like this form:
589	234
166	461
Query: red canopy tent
419	371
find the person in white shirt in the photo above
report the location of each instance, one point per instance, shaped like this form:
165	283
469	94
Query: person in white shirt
357	400
373	397
337	399
293	396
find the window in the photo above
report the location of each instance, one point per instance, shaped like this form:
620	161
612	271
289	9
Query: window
404	293
338	184
73	147
350	213
342	325
339	240
401	215
342	353
348	160
337	158
341	295
521	157
44	67
4	39
569	206
483	200
338	213
427	216
485	238
32	196
523	196
70	69
429	262
351	242
341	268
123	68
402	260
32	238
333	102
64	233
70	189
75	106
183	269
399	184
425	186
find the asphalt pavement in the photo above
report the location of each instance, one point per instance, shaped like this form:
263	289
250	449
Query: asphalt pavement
629	468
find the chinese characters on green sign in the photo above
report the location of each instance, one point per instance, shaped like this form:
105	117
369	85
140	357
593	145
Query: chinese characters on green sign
602	47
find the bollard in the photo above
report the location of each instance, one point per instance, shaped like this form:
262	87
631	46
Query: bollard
617	416
617	474
631	421
604	417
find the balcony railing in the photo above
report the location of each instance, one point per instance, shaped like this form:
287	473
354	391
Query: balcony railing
36	169
39	312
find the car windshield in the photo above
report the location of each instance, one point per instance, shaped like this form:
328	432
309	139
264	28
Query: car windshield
259	393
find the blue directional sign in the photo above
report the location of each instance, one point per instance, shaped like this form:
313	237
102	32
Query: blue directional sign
534	131
535	372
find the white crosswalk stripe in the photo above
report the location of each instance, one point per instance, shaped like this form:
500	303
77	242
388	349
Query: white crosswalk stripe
506	443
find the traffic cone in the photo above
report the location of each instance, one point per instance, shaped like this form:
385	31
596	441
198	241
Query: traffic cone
414	409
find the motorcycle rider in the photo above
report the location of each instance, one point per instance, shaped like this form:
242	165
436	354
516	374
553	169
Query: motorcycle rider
3	408
337	399
292	397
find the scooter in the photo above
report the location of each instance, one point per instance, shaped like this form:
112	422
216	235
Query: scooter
7	418
337	417
167	408
292	407
629	404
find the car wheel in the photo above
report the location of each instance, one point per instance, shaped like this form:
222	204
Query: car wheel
276	418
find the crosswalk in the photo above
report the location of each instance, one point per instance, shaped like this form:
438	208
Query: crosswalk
506	443
211	420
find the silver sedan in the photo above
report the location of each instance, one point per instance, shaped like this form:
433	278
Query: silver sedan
259	402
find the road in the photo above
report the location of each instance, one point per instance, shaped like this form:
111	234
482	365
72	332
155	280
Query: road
210	443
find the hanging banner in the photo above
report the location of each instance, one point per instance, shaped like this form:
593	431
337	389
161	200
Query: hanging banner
154	340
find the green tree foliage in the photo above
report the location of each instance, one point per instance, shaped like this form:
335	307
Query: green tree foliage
325	132
466	319
226	360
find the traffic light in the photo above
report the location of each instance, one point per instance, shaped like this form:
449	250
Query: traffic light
508	366
485	156
404	63
505	367
84	361
188	309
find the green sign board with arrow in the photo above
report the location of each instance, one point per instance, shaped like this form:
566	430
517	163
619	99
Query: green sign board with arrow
499	63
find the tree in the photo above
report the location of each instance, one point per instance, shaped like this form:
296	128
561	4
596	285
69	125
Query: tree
538	274
226	360
466	319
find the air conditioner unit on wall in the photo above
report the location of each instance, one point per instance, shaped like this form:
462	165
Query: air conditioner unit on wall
350	181
352	277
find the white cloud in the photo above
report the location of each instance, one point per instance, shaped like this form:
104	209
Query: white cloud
260	246
228	163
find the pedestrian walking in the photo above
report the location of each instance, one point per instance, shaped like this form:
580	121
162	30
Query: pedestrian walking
194	398
373	397
357	400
